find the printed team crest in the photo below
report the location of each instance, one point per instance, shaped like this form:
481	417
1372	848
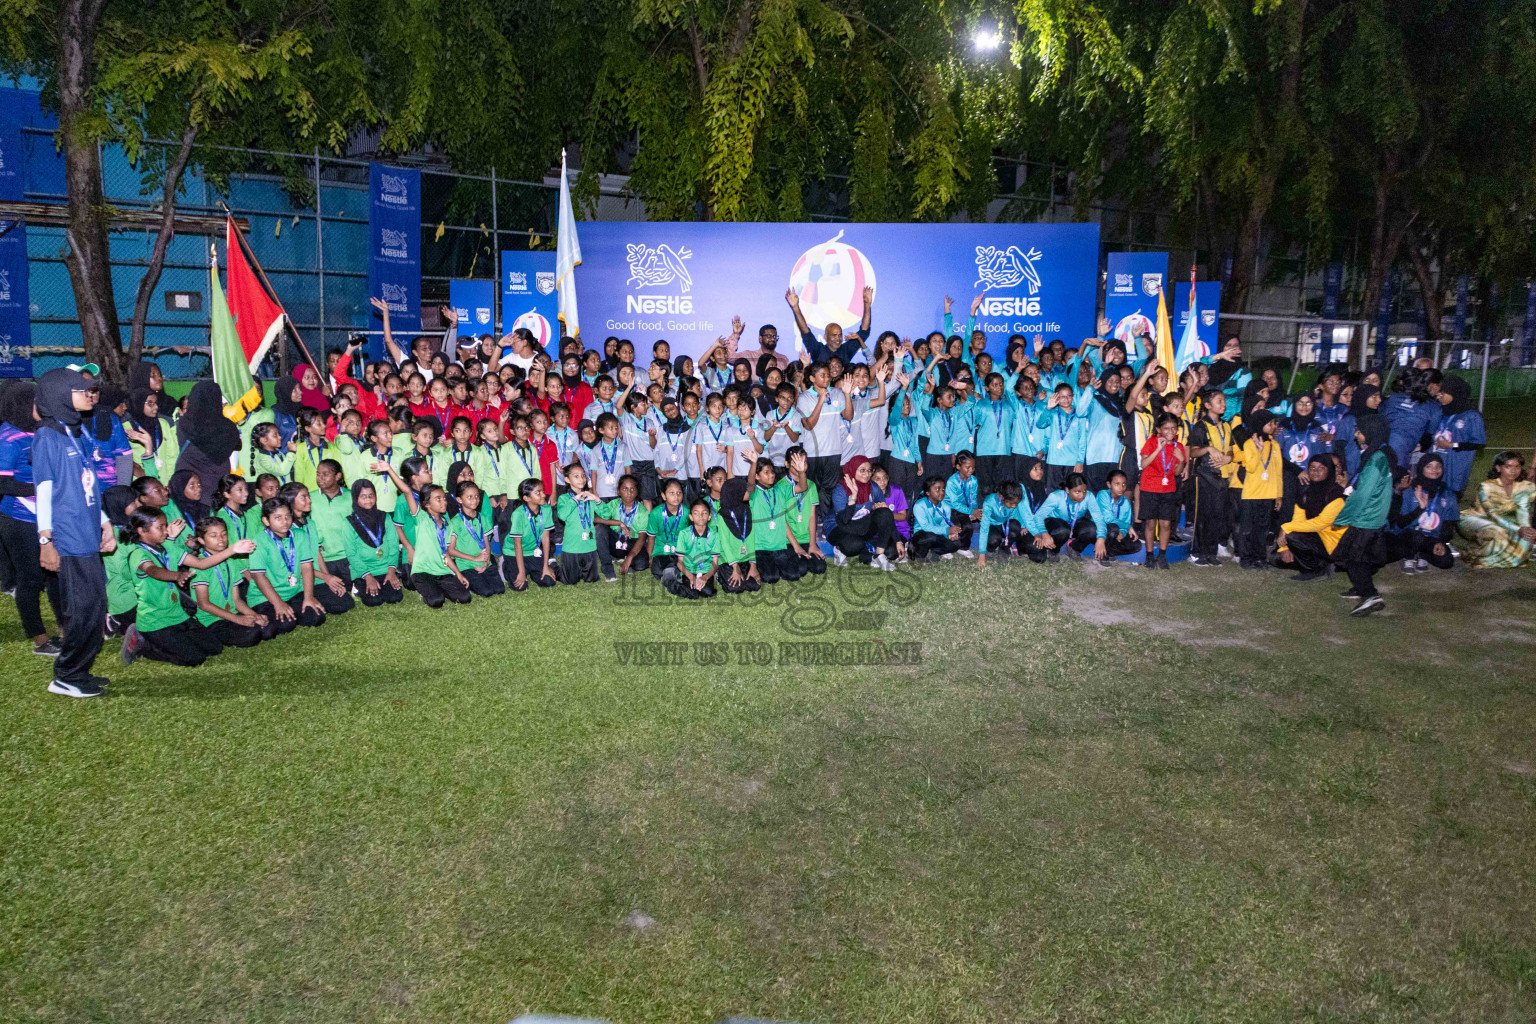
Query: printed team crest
1151	284
651	267
482	316
1300	453
1208	317
544	281
1007	268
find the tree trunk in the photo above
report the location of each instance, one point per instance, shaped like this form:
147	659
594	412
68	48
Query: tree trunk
1242	282
1429	287
1386	239
701	70
89	254
151	278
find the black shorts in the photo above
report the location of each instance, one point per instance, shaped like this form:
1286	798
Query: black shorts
1157	505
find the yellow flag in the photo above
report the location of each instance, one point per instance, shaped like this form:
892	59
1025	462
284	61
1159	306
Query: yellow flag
1165	342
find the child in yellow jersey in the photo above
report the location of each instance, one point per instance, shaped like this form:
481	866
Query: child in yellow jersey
1261	462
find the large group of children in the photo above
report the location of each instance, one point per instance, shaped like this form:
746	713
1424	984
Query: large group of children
467	467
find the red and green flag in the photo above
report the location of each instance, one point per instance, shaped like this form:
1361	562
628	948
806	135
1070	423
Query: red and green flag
231	365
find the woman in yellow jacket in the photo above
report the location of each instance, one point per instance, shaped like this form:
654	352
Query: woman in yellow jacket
1260	459
1308	540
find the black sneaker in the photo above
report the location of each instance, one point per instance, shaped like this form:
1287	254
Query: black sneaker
1308	577
1374	603
48	649
1204	563
89	688
1351	594
1162	561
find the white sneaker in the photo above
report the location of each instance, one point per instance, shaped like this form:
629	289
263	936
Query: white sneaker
882	563
1410	566
948	556
967	553
1222	551
85	689
1423	565
838	558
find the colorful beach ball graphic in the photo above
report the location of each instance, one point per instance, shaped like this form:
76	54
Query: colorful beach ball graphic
537	326
1133	327
830	279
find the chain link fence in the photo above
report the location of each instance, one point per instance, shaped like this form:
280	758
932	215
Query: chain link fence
308	225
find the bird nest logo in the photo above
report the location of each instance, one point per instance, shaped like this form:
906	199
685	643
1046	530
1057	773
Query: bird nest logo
394	190
829	280
655	266
393	243
1007	268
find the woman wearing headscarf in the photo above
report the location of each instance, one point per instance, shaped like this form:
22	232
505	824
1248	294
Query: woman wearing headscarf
738	554
145	376
1365	513
18	517
1365	401
206	435
1461	434
72	530
288	394
1309	537
1420	528
1300	437
1411	410
310	395
156	450
858	520
190	499
373	549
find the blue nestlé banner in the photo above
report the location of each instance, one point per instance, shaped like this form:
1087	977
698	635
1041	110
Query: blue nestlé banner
685	281
528	296
15	315
1130	293
394	245
1208	306
474	303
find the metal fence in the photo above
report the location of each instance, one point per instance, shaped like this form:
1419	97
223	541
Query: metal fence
308	216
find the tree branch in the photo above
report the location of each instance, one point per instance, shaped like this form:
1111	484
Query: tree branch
151	277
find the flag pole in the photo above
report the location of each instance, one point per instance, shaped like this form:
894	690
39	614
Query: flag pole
324	380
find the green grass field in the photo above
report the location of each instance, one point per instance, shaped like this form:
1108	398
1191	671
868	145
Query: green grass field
1104	795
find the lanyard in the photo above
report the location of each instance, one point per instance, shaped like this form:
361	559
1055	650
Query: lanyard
221	573
1165	459
629	519
290	554
670	524
609	462
527	469
442	534
234	521
474	530
584	512
1062	431
1269	453
769	500
315	454
373	541
1116	507
997	416
1076	511
162	560
671	443
715	432
490	453
800	503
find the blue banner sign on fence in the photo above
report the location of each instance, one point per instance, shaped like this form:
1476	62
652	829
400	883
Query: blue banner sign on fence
394	245
1130	294
474	303
1384	317
683	282
15	314
528	296
1463	287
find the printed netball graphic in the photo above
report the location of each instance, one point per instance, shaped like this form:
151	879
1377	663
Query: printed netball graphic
1133	327
537	326
830	279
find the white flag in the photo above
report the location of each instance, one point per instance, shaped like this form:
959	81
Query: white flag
567	257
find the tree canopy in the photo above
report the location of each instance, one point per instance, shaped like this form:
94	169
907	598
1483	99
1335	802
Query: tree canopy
1400	128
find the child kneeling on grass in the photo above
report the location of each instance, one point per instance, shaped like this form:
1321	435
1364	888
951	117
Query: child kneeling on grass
162	630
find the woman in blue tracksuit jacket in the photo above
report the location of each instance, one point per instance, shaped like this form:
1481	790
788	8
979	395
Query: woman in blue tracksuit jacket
1420	527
